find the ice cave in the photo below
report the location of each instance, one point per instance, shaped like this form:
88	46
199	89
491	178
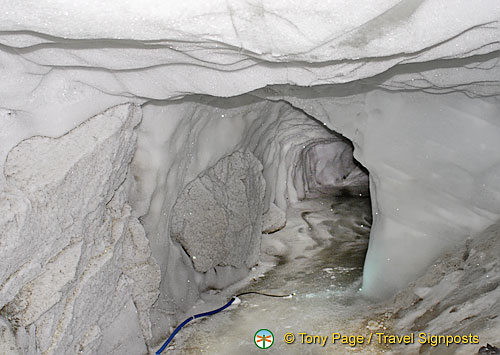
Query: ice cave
160	157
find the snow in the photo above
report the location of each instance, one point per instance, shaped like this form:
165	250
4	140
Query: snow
53	76
413	84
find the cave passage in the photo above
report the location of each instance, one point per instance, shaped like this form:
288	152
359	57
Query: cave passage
326	239
319	254
157	160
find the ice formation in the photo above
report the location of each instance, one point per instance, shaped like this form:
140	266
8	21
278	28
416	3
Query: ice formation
109	111
461	287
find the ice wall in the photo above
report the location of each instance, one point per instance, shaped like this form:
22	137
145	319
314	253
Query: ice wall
458	293
329	169
179	143
76	61
433	172
431	157
74	262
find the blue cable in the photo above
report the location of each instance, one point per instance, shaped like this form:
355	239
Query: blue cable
200	315
163	347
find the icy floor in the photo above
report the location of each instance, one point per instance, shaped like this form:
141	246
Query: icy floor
326	242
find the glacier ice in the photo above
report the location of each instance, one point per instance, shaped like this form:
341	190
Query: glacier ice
460	287
222	207
413	86
66	248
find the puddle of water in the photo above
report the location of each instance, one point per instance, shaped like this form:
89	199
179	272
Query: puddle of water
327	241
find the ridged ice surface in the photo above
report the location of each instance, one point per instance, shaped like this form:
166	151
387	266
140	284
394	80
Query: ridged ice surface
63	63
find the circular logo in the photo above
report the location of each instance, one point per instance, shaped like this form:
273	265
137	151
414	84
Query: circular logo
263	339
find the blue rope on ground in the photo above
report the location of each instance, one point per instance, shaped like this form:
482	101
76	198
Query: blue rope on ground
200	315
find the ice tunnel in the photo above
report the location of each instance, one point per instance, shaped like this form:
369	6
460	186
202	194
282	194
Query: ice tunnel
153	155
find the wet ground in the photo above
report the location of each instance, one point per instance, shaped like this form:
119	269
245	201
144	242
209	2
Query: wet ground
322	253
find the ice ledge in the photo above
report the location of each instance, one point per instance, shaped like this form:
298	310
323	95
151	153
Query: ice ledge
58	57
281	30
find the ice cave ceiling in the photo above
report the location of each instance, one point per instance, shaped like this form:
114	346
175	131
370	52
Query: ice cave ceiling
176	87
